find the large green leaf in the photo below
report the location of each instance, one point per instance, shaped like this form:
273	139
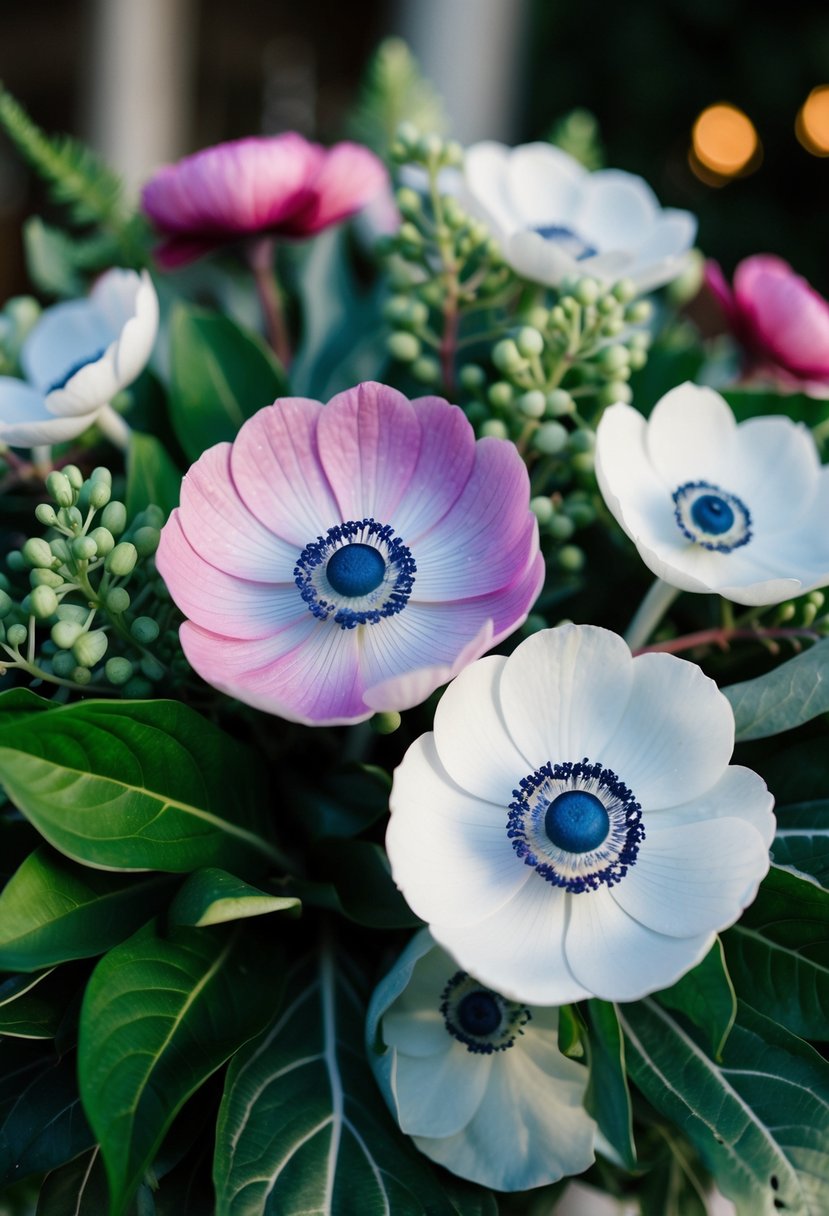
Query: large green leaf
789	695
302	1127
26	1012
778	953
752	403
45	1126
798	776
136	785
152	477
78	1188
359	881
52	910
607	1098
220	375
706	996
212	897
160	1014
760	1120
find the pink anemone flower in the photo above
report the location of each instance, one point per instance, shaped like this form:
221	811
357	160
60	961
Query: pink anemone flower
278	185
337	560
781	322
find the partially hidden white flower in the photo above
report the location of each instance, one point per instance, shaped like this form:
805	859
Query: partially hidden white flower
572	827
78	355
476	1079
554	218
740	510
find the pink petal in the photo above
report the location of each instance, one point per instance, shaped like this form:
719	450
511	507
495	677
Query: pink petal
790	321
348	178
444	465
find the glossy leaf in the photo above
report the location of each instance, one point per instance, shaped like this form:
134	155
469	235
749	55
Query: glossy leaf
706	996
778	953
302	1127
136	785
52	910
25	1012
608	1098
152	476
46	1125
361	884
792	693
78	1188
220	375
160	1015
212	897
343	802
798	776
760	1120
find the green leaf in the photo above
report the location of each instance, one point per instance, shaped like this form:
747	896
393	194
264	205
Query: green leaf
706	996
19	703
135	785
754	403
212	897
358	871
608	1098
21	1061
49	261
760	1121
45	1126
25	1013
52	911
79	1188
159	1016
791	694
344	802
799	779
302	1127
393	91
778	953
152	477
220	375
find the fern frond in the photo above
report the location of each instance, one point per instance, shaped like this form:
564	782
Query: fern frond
394	91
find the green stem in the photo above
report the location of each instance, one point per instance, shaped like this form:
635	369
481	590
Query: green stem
261	261
649	613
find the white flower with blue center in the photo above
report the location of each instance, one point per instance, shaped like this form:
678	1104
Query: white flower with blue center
554	218
477	1079
572	827
711	505
78	355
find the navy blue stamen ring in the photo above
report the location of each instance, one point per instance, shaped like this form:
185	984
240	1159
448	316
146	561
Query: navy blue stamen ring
568	240
710	517
483	1020
577	825
75	367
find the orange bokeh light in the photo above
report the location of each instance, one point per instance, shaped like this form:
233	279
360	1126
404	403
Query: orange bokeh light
812	123
724	143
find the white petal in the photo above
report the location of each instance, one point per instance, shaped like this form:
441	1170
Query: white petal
484	190
616	957
638	497
563	692
25	421
64	336
472	738
777	473
677	735
539	260
438	1095
739	793
736	576
417	1033
544	184
695	878
692	436
617	210
519	950
449	852
669	238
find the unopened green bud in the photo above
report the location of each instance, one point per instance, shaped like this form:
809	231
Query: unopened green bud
538	317
560	403
45	514
551	438
501	394
615	391
407	133
583	462
587	291
506	356
118	600
151	668
146	541
36	552
90	648
426	369
6	604
43	602
410	234
453	153
73	612
639	312
495	427
542	508
471	377
532	404
100	492
403	346
17	635
430	146
60	549
637	359
386	723
118	670
624	290
83	548
66	633
121	561
561	527
571	558
45	578
63	664
613	326
114	517
144	629
70	517
409	202
15	560
73	475
529	341
558	317
60	488
613	357
607	306
138	688
582	441
81	675
453	213
104	541
151	517
101	473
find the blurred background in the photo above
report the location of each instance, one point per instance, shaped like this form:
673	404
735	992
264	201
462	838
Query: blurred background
723	105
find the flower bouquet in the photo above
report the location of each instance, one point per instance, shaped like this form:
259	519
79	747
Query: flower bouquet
413	716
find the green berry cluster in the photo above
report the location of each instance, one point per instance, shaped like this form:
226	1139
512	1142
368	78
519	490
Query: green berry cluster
94	586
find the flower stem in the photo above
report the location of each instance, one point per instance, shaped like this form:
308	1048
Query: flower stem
261	259
721	637
649	613
114	427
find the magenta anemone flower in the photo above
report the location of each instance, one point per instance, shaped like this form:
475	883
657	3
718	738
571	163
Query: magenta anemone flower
279	185
781	322
340	559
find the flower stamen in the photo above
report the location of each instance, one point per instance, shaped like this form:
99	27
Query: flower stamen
711	517
483	1020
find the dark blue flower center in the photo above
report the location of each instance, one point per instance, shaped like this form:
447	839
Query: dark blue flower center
569	240
355	570
712	514
576	821
479	1013
75	367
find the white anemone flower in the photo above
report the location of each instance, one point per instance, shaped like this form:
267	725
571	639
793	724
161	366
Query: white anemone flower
572	827
711	505
554	218
477	1080
78	355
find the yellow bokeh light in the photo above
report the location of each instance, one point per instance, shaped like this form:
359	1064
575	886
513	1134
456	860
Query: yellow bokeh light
812	124
724	143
